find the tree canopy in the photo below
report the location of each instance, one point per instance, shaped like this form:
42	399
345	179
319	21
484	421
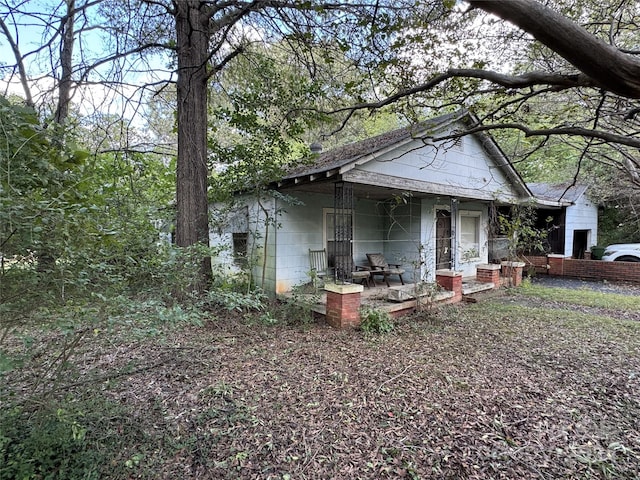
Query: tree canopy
562	77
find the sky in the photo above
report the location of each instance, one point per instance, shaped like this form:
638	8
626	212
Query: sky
30	31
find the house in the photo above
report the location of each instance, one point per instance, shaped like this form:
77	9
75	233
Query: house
573	225
412	194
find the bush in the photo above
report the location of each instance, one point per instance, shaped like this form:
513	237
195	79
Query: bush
47	444
375	321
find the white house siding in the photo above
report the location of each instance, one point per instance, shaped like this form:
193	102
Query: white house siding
299	229
402	235
428	236
368	230
583	215
221	236
462	171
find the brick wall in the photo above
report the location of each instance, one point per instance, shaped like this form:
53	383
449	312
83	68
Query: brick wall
537	263
585	269
598	270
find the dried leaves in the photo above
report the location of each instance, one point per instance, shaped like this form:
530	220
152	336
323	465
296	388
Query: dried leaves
484	391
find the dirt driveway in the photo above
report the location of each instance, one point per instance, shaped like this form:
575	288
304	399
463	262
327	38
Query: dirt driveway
575	283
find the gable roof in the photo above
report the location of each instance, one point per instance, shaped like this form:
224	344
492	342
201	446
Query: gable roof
342	159
341	156
560	194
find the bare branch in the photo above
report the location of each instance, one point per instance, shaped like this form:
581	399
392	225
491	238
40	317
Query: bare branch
607	137
19	61
508	81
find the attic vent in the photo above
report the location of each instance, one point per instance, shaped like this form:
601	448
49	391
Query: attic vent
316	147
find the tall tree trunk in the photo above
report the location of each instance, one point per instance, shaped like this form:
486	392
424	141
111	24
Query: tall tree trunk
192	223
66	63
49	251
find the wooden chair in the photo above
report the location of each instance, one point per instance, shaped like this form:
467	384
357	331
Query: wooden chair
318	263
380	266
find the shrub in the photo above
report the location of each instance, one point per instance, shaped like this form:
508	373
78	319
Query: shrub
47	444
375	321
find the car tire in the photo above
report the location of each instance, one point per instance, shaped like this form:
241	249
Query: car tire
627	258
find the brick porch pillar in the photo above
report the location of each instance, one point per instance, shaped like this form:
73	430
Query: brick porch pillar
489	273
452	281
513	272
556	264
343	304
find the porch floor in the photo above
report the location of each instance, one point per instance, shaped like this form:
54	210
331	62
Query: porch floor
371	297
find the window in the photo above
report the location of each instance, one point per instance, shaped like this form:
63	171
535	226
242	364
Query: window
469	235
240	250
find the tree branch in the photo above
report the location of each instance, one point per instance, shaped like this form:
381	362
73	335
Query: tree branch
607	137
20	62
608	67
527	80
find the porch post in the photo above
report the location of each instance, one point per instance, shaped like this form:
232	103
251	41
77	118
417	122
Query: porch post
343	230
343	305
452	281
454	234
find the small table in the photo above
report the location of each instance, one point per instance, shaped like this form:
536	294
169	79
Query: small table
364	276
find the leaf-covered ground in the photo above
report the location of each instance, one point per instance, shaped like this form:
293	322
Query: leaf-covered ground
510	387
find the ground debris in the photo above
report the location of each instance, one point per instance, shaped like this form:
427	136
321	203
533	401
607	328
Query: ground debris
491	390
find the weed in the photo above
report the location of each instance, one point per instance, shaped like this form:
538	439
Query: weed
375	322
57	441
297	309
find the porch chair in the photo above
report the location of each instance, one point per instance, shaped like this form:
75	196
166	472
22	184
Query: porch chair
380	266
318	264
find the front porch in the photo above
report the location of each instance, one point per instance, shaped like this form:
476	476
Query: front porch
375	297
340	304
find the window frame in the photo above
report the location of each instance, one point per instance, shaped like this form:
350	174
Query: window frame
467	253
240	243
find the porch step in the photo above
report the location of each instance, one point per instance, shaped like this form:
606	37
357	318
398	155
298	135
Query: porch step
402	293
469	287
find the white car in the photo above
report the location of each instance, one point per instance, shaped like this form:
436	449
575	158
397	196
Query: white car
622	252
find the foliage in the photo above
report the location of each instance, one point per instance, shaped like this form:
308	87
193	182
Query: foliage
231	300
36	446
298	308
39	182
519	227
72	223
618	224
375	321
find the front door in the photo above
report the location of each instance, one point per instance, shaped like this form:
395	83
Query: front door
580	239
443	239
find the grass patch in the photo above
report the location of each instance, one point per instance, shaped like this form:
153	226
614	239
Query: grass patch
582	296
